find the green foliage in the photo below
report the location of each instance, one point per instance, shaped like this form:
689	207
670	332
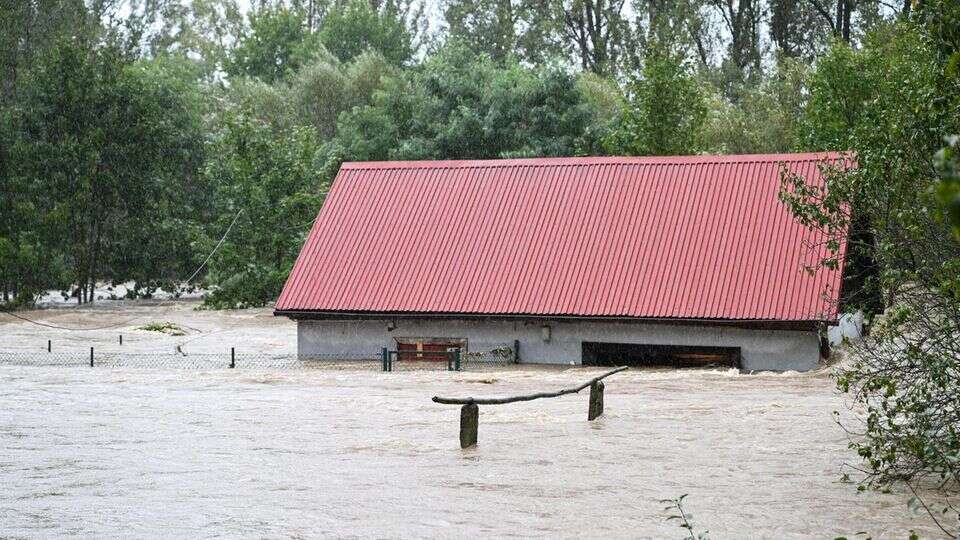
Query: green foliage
274	45
492	27
459	105
101	142
666	113
607	104
893	102
948	166
201	30
274	181
764	119
683	518
354	27
325	88
942	18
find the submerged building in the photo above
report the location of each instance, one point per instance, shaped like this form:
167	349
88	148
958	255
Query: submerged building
655	260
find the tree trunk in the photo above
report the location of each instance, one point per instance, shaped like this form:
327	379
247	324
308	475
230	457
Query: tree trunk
847	12
95	256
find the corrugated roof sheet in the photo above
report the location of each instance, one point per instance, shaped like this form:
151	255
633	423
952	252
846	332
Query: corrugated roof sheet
698	237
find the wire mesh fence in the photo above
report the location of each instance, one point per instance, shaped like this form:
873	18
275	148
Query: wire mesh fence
452	359
233	359
190	361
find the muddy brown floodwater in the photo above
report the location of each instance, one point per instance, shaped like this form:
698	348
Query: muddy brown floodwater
237	453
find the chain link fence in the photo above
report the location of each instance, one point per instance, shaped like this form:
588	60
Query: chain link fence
375	361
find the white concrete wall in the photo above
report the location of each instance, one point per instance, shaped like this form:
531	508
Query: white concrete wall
760	349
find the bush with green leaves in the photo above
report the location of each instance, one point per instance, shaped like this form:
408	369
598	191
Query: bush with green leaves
892	103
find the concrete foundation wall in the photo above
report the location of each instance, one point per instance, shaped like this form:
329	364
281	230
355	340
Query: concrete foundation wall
777	350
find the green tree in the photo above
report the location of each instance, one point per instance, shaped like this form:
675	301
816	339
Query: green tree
28	28
500	29
275	44
666	113
595	33
325	88
462	106
200	29
103	143
765	119
272	183
354	27
27	264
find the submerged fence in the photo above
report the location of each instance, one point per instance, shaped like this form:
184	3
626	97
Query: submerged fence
382	360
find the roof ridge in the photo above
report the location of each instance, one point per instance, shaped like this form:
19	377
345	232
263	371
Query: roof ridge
595	160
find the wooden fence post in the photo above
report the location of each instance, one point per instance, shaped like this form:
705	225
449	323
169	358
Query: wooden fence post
48	345
469	421
91	356
596	400
233	358
470	411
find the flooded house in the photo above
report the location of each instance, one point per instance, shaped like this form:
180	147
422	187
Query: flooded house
671	261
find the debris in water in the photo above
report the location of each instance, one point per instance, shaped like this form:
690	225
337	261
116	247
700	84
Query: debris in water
164	327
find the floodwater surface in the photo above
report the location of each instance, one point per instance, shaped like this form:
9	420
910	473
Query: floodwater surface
179	453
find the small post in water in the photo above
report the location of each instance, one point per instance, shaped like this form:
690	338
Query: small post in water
91	356
121	339
469	421
233	358
596	400
48	346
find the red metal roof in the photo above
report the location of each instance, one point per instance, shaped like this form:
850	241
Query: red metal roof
697	237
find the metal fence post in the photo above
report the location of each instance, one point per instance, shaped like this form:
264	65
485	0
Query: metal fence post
456	358
91	356
516	351
233	358
383	358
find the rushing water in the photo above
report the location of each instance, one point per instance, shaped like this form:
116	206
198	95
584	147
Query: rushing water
146	453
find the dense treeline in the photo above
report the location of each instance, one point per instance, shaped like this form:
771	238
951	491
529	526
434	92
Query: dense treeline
134	134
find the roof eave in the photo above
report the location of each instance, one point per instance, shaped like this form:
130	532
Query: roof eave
307	314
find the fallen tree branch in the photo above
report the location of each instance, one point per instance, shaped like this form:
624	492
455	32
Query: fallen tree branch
529	397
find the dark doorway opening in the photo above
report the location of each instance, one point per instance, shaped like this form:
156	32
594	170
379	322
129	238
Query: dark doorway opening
677	356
